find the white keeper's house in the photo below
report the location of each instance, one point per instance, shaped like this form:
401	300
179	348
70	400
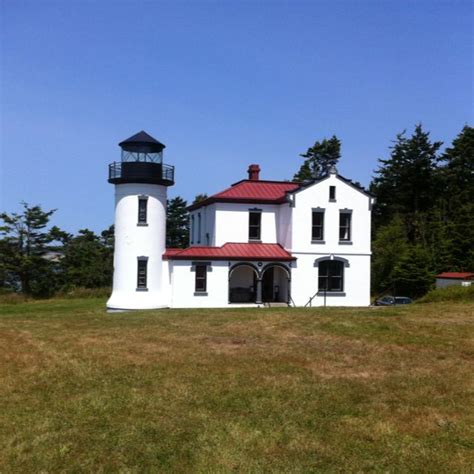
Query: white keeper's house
255	243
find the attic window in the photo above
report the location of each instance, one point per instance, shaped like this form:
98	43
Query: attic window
332	193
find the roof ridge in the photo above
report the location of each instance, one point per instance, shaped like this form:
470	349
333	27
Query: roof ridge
272	181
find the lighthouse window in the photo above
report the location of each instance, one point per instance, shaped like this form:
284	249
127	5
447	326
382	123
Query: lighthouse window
142	274
142	210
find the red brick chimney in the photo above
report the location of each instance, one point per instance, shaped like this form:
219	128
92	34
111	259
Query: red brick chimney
254	172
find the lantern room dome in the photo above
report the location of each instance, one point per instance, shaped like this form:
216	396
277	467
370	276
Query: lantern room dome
141	142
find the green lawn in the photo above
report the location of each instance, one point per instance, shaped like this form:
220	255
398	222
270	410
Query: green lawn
293	390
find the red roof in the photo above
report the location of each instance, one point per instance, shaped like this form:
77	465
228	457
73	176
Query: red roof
231	251
252	191
456	275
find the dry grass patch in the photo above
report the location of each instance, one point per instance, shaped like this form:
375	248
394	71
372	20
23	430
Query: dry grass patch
249	390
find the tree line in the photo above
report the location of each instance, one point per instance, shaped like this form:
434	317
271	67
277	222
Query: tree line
423	223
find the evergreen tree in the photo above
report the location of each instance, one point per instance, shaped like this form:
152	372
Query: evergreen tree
406	183
87	260
199	198
177	223
410	234
389	246
457	172
319	159
24	262
411	275
456	200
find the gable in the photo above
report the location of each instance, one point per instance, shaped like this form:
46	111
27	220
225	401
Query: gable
342	179
317	193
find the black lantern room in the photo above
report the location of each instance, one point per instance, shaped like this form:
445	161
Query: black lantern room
141	162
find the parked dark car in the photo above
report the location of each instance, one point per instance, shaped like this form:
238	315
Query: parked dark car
393	300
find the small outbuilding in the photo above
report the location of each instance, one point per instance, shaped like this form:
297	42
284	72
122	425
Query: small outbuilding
454	278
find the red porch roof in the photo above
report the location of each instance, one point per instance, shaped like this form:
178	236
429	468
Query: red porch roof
456	275
231	251
252	191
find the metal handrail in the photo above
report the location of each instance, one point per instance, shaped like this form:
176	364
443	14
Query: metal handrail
310	301
115	170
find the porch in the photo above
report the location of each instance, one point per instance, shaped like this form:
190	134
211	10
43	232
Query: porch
252	282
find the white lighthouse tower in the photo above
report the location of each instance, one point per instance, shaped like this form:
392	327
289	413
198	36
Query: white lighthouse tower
141	180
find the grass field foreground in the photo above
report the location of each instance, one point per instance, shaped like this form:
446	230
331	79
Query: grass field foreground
375	389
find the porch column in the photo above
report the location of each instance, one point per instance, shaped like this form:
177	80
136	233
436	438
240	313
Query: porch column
258	299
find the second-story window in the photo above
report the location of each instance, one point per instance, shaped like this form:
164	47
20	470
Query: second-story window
332	193
345	226
255	221
199	228
317	233
142	210
192	228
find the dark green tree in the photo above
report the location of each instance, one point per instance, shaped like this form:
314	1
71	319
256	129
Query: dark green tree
406	183
199	198
108	238
87	260
457	171
411	275
456	200
177	223
318	159
24	261
389	246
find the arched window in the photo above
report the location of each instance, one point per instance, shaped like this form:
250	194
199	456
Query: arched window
331	275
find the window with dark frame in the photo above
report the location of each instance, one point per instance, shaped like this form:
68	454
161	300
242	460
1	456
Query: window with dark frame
345	226
192	228
142	210
255	220
331	275
199	228
201	278
142	274
332	193
317	232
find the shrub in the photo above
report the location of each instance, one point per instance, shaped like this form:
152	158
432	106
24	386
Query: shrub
10	297
103	292
450	293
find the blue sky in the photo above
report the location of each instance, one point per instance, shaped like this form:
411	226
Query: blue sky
223	84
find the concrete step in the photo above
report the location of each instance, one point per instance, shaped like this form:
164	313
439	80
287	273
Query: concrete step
276	305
